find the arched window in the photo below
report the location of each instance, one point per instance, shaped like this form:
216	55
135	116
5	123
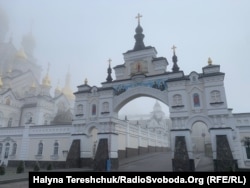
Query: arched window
7	149
93	109
14	149
215	96
196	100
40	149
56	148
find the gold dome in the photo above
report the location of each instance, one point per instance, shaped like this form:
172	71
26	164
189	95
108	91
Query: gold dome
21	54
46	80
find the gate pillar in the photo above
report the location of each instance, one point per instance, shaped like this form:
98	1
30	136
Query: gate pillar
222	146
182	152
111	149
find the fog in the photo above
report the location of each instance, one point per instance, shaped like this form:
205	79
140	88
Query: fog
80	36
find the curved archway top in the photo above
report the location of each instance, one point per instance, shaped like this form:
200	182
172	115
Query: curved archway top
140	91
90	127
199	118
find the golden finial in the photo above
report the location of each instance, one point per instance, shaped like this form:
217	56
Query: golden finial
173	48
209	61
138	17
86	81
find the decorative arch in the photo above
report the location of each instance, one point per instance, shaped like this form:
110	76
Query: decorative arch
140	91
199	118
91	127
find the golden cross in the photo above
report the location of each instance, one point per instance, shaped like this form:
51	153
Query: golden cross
109	60
173	48
138	17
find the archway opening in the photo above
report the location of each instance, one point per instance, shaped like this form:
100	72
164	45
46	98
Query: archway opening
147	126
141	107
200	137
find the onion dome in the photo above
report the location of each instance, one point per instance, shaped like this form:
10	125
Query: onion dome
139	44
21	54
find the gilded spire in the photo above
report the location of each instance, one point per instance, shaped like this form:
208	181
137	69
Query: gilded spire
46	79
67	90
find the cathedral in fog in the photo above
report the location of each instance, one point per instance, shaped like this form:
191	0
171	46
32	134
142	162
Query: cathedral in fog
26	100
23	87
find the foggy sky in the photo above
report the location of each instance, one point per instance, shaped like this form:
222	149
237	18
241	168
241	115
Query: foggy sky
80	36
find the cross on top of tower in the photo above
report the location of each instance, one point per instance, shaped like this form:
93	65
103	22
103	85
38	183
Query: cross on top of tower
109	60
138	17
173	48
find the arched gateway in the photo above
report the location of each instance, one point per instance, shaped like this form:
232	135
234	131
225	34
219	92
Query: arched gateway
197	97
